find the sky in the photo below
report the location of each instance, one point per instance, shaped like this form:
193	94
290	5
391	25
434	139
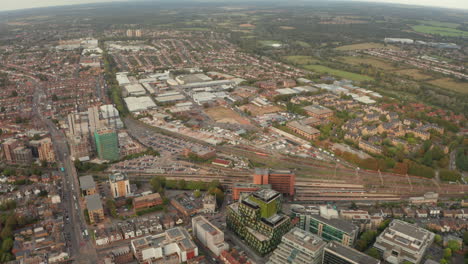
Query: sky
22	4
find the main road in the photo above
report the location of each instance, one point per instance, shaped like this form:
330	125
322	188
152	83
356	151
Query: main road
81	248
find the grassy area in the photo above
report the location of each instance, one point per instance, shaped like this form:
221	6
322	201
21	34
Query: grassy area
438	23
195	29
414	73
302	44
447	83
301	60
443	31
268	42
339	73
370	61
366	45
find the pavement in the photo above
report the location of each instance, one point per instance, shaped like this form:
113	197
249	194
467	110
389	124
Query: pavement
81	248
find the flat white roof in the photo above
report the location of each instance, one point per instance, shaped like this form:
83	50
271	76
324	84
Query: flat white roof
135	104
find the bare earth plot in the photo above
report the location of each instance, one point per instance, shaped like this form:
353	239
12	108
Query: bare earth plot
257	111
225	115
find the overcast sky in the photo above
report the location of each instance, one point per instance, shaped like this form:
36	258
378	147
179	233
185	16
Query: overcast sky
21	4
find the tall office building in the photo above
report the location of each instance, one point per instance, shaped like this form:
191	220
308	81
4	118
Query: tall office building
257	220
129	33
119	185
298	247
402	241
338	230
107	144
335	253
282	181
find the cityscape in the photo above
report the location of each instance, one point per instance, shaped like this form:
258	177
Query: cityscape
195	132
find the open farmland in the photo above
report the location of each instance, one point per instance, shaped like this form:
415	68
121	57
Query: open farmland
370	61
339	73
447	83
301	60
443	31
414	73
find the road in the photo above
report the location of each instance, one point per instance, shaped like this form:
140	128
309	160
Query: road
81	249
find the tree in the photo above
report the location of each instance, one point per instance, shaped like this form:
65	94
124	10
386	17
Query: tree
438	239
373	252
447	253
14	94
453	245
197	194
465	238
7	244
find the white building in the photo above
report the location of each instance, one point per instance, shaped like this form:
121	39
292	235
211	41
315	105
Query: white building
209	235
172	247
402	241
137	104
298	247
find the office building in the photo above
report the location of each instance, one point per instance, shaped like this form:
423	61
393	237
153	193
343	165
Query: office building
257	220
95	209
338	230
119	185
171	247
282	181
209	235
7	147
336	253
87	185
107	144
402	241
298	247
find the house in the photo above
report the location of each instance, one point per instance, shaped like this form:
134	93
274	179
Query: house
421	213
369	147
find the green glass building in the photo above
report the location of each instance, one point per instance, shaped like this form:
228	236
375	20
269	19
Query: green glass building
257	219
107	144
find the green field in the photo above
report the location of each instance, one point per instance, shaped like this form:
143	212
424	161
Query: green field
443	31
301	60
369	61
339	73
448	83
438	23
302	44
366	45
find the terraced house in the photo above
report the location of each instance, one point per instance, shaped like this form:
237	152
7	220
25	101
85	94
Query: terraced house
257	220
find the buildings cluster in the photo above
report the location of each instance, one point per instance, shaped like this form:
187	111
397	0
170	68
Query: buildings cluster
25	150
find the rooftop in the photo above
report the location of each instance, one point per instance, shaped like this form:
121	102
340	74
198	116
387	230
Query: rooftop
87	182
117	177
93	202
337	223
266	195
305	239
350	253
